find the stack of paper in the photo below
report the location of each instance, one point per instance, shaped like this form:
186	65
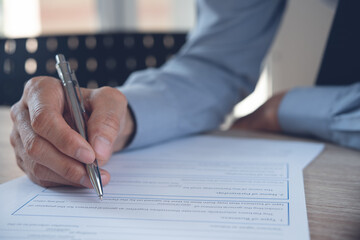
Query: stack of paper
195	188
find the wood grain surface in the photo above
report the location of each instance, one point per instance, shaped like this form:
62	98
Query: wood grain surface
332	183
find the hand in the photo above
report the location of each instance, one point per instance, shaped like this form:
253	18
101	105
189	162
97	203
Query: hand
48	150
265	118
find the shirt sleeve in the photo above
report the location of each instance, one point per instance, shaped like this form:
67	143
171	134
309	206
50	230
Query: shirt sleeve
331	113
218	66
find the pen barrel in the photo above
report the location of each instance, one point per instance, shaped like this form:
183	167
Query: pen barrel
72	97
76	108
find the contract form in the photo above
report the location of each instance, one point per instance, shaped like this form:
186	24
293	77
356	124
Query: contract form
202	187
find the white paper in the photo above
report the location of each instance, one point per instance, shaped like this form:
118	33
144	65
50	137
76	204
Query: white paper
195	188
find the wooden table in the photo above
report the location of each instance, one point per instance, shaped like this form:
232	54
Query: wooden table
332	183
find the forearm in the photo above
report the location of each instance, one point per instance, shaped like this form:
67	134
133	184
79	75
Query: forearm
218	66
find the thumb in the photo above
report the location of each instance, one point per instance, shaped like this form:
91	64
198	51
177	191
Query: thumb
108	108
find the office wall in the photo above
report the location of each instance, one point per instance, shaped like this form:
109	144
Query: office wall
297	51
146	15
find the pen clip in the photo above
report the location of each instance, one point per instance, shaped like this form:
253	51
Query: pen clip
78	91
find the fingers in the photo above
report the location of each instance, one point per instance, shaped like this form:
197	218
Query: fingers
52	170
106	122
43	161
38	173
46	147
44	99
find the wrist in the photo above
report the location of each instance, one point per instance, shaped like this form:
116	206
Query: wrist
127	134
265	118
271	112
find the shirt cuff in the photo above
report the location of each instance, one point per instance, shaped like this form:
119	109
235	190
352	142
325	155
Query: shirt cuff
308	111
155	119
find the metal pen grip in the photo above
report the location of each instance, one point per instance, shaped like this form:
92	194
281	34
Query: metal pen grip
75	109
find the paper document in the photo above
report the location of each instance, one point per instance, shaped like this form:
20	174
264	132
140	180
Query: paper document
195	188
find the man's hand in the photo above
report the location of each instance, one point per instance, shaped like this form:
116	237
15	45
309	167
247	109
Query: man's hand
265	118
48	150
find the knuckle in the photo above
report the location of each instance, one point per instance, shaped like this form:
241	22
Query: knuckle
40	120
107	126
20	163
33	146
39	82
31	84
35	81
13	138
41	175
42	183
106	90
112	121
13	111
38	171
19	114
114	94
120	97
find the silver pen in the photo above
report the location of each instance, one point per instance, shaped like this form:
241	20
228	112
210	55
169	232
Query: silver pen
77	110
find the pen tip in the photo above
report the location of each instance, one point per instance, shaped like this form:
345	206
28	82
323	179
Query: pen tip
101	197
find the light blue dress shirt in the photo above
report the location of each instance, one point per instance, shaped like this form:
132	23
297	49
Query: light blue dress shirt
219	66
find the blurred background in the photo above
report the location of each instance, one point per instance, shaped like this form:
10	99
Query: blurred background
292	61
24	18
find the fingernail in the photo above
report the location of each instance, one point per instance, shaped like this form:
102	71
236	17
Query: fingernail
102	146
84	155
85	181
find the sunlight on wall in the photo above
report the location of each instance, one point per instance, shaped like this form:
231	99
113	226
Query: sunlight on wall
254	100
261	93
257	98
